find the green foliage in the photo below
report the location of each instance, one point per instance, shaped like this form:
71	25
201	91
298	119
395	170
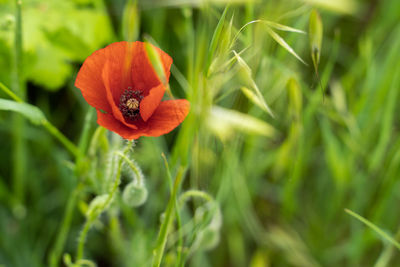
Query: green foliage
131	21
34	114
155	60
375	228
56	34
316	33
264	171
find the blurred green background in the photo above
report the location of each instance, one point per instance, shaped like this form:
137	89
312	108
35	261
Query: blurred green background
281	182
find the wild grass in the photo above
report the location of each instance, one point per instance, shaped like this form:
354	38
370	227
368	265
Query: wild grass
274	166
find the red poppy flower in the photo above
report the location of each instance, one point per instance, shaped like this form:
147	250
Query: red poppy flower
121	83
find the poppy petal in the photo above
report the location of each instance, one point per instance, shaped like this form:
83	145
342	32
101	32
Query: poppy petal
107	80
109	122
118	77
90	83
131	67
144	77
119	59
168	115
150	102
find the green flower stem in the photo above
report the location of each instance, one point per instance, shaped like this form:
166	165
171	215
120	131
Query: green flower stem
83	143
195	193
71	147
86	263
18	124
10	93
183	198
84	139
90	220
82	238
166	224
18	48
55	254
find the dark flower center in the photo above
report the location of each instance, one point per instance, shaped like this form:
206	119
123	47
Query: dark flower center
129	104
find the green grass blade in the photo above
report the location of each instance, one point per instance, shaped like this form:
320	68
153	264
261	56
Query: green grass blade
268	23
155	60
282	27
131	21
285	45
167	222
255	95
338	6
225	121
315	33
215	39
380	232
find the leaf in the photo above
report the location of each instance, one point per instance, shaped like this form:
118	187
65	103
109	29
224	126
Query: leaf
48	67
69	42
255	96
224	121
55	34
295	97
130	21
218	61
34	114
228	34
315	33
379	231
283	43
268	23
282	27
193	3
155	60
338	6
215	38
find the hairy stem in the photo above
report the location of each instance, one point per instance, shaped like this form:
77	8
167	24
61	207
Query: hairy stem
91	219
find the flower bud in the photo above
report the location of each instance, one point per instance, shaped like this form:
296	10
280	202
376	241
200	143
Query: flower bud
207	238
162	218
209	212
67	260
134	194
